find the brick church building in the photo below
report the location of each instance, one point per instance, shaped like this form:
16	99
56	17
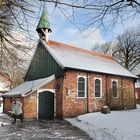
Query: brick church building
66	81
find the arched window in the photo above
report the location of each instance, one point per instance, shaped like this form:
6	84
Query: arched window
115	88
98	88
81	86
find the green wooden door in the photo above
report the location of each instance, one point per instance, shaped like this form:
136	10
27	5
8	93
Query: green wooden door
46	105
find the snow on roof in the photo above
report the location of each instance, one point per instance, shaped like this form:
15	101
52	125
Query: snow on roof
77	58
137	84
28	86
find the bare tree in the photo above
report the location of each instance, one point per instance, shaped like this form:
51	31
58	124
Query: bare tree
97	13
14	15
106	48
13	24
127	50
104	13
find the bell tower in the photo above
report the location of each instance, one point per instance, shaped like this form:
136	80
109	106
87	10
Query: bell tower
43	27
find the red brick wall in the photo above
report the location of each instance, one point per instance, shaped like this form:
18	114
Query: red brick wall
68	105
95	104
137	91
129	94
7	105
30	106
73	106
126	96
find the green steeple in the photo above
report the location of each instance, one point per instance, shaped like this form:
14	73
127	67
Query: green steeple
43	22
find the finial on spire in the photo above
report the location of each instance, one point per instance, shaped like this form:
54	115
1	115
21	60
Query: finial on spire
43	27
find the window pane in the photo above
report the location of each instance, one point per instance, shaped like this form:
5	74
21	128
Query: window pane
81	94
114	88
81	87
97	94
97	81
97	88
81	79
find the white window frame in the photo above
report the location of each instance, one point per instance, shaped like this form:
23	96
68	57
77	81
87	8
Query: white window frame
112	87
100	87
85	93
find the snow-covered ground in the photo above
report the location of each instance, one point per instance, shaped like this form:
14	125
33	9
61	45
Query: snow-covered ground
118	125
1	109
1	114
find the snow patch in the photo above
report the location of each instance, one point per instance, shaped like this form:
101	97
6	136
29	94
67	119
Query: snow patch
3	123
1	109
1	114
118	125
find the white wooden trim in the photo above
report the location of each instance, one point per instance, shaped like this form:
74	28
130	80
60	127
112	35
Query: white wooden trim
100	87
112	88
85	93
50	90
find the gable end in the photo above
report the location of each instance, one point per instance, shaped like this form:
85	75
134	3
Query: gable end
43	65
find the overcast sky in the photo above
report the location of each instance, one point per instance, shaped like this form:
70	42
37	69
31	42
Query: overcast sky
64	31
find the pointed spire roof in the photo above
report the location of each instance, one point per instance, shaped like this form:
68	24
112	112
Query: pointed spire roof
43	22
